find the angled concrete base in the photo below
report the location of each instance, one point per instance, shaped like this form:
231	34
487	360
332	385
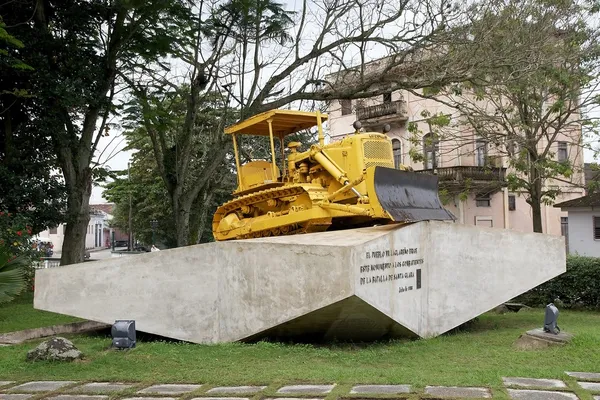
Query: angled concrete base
421	279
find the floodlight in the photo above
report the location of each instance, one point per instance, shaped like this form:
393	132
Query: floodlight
550	319
123	334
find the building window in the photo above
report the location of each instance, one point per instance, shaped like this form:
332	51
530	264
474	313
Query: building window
564	226
597	228
397	147
346	106
431	150
480	152
483	201
562	151
53	231
487	222
512	203
387	97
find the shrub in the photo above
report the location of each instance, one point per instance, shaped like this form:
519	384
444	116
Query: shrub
15	242
579	287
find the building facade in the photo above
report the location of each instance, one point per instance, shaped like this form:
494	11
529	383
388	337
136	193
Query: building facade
583	225
472	176
98	234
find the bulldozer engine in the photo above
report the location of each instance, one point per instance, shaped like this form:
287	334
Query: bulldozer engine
345	184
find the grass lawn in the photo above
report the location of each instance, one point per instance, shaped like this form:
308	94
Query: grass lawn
20	315
477	357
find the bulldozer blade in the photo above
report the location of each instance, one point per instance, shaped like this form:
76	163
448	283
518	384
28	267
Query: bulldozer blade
409	196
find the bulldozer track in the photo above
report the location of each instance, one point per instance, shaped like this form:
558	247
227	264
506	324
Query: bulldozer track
263	195
268	194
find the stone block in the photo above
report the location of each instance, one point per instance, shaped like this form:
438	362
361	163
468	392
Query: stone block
532	382
518	394
78	397
591	376
591	386
42	386
149	398
169	389
220	398
102	387
5	383
538	339
360	284
306	389
4	396
461	392
292	398
236	389
380	389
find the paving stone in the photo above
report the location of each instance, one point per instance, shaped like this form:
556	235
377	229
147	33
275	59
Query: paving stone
291	398
585	375
532	382
463	392
297	389
517	394
101	387
6	383
381	389
78	397
149	398
237	389
42	386
221	398
14	396
170	389
592	386
596	397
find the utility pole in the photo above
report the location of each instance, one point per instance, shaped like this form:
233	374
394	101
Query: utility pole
130	225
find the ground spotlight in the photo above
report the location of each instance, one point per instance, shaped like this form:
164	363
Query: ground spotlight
123	334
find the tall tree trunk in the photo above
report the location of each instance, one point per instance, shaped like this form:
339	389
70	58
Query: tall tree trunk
535	197
181	213
78	219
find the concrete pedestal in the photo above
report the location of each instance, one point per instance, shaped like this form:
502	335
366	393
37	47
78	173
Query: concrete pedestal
420	279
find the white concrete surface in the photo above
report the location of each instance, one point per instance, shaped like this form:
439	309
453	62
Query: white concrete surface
228	291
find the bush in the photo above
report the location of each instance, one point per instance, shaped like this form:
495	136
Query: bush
15	242
579	287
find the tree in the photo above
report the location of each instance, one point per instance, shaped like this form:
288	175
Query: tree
27	175
76	49
253	56
150	195
536	79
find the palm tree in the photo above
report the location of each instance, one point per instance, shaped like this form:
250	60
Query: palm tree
12	276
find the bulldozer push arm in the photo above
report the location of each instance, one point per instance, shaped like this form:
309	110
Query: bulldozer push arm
400	196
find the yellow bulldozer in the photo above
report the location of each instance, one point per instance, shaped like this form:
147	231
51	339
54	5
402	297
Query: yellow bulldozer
345	184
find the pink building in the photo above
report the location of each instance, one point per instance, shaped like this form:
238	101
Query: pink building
462	162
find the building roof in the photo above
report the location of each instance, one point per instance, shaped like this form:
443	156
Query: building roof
591	200
106	208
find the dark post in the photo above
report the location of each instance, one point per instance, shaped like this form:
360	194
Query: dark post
154	225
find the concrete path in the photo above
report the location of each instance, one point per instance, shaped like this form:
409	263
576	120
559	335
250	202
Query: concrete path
518	388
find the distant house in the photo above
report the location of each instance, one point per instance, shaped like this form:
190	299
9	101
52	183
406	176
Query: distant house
98	233
582	225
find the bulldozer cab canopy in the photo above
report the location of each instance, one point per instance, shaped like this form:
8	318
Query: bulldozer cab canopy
283	123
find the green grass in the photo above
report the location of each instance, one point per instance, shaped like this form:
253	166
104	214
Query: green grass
20	314
477	357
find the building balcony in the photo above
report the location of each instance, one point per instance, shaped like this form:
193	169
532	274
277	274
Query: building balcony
460	177
382	113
